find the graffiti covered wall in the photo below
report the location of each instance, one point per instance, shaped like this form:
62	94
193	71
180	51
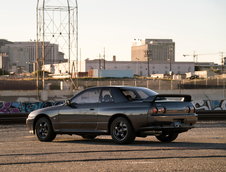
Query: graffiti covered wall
210	104
17	107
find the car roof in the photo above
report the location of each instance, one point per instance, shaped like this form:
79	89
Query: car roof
118	86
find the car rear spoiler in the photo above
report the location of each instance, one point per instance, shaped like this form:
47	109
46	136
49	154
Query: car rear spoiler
161	97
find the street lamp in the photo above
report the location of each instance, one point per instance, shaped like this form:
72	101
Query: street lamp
170	69
170	59
137	71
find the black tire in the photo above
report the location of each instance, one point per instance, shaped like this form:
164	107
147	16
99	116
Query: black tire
44	130
88	136
167	137
122	131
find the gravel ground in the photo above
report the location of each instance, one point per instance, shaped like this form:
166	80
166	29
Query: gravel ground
200	149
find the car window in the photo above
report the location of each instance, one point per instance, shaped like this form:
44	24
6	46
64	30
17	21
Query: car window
142	94
129	94
89	96
106	96
137	94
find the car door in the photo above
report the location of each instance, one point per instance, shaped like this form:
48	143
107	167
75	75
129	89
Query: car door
81	113
105	109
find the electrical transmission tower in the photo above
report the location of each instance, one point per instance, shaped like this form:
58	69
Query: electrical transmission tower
57	24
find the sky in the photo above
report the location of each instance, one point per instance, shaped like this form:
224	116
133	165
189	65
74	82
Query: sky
194	25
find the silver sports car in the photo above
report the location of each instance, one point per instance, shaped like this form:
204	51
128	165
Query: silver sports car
122	112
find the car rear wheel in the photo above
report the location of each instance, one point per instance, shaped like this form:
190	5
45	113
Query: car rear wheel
167	137
44	130
122	131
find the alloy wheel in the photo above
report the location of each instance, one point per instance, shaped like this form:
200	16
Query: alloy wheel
120	130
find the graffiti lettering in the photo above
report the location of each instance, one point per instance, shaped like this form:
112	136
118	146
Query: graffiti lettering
17	107
210	104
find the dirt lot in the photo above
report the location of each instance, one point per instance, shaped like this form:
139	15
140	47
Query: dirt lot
200	149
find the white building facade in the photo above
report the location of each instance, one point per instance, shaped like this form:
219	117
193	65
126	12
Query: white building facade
141	68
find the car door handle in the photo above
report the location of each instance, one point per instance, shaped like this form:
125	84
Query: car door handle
91	109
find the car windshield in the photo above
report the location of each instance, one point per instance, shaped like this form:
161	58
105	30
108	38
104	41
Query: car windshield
133	94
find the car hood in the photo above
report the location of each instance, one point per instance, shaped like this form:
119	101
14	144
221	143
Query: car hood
52	110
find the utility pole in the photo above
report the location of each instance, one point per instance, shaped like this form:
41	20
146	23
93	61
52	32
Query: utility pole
104	59
99	62
43	47
37	53
148	54
76	35
80	68
170	60
148	66
222	62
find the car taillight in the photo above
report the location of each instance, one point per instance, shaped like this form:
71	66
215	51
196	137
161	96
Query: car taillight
161	109
192	109
157	110
153	110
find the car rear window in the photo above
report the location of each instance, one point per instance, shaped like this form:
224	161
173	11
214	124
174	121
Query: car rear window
133	94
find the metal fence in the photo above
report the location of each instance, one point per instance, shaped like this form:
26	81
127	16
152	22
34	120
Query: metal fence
156	84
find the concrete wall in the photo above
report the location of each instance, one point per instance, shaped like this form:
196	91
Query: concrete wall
58	95
27	101
199	94
34	96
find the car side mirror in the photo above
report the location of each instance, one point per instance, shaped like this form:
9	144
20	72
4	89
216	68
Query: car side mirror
68	102
71	104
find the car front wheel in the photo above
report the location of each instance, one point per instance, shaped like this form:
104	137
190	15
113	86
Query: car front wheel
44	130
167	137
122	131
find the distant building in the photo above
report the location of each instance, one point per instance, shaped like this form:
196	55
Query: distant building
3	61
57	68
3	42
199	66
157	50
21	56
204	74
224	61
141	67
111	73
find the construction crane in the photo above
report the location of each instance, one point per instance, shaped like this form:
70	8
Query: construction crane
195	56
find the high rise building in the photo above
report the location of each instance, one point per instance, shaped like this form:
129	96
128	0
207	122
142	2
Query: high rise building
21	56
156	50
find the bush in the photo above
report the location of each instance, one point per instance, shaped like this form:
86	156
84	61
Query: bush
4	72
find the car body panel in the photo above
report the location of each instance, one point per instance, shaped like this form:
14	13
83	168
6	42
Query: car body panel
83	117
136	113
